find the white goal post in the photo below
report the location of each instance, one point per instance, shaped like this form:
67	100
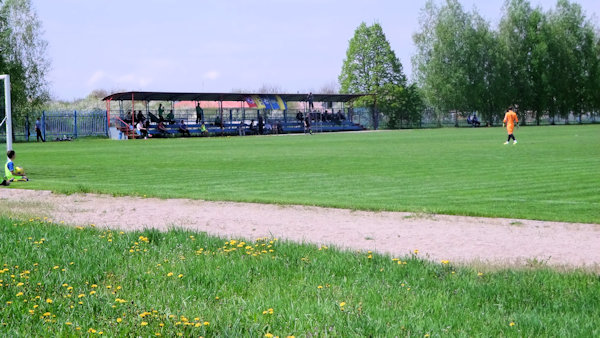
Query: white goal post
8	118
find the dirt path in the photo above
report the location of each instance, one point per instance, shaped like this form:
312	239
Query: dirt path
459	239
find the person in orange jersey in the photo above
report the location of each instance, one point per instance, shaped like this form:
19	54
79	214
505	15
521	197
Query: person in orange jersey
510	118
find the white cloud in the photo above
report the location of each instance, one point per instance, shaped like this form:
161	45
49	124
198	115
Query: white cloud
95	78
212	75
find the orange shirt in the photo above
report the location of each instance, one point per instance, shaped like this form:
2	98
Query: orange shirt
510	118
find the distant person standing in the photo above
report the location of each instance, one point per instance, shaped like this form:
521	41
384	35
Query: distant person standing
38	130
510	118
199	113
161	111
310	100
261	124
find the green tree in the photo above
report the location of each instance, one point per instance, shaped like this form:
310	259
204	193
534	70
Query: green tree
403	105
370	65
457	61
524	35
573	50
23	55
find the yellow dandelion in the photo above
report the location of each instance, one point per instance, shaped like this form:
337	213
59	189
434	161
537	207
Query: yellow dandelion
320	287
206	323
180	275
512	324
480	274
49	301
119	320
68	323
144	323
169	274
19	294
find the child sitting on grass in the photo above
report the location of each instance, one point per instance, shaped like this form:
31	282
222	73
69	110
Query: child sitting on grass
10	174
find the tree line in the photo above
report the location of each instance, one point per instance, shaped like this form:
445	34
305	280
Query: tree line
23	57
543	62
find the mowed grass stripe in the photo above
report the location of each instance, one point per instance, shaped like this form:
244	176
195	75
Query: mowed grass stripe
456	171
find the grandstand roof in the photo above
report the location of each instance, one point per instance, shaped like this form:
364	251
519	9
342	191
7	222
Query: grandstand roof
171	96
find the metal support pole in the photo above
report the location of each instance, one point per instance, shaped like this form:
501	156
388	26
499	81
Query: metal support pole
75	123
9	139
44	124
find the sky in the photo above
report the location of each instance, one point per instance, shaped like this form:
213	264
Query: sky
223	45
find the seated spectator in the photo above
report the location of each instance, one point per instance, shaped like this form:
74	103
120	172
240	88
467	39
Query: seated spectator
279	127
300	116
341	116
162	129
141	130
203	130
252	128
268	128
475	121
170	117
183	129
218	121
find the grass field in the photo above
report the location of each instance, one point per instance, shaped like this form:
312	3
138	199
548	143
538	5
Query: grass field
65	281
552	174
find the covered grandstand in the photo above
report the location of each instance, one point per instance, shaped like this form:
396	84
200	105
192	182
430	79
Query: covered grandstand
232	113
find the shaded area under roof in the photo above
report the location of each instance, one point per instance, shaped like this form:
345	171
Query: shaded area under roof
168	96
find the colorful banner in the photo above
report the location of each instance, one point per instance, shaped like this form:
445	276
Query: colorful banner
266	102
259	102
250	102
280	102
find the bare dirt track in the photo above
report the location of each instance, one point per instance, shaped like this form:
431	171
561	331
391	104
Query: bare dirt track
494	241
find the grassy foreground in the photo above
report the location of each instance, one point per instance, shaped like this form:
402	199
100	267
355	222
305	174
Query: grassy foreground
57	280
550	175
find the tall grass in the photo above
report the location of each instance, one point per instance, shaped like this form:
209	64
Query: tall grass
57	280
550	175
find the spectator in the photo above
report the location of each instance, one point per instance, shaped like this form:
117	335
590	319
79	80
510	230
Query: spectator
300	117
279	127
140	116
261	124
203	130
162	129
341	116
38	130
252	128
161	111
268	128
310	99
183	129
475	121
141	130
218	121
242	129
171	117
199	113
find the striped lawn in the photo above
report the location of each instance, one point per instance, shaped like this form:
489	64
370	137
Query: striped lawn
551	174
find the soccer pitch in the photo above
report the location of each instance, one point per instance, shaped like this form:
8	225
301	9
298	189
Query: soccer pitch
551	174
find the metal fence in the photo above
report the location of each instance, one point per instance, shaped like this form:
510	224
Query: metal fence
60	125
